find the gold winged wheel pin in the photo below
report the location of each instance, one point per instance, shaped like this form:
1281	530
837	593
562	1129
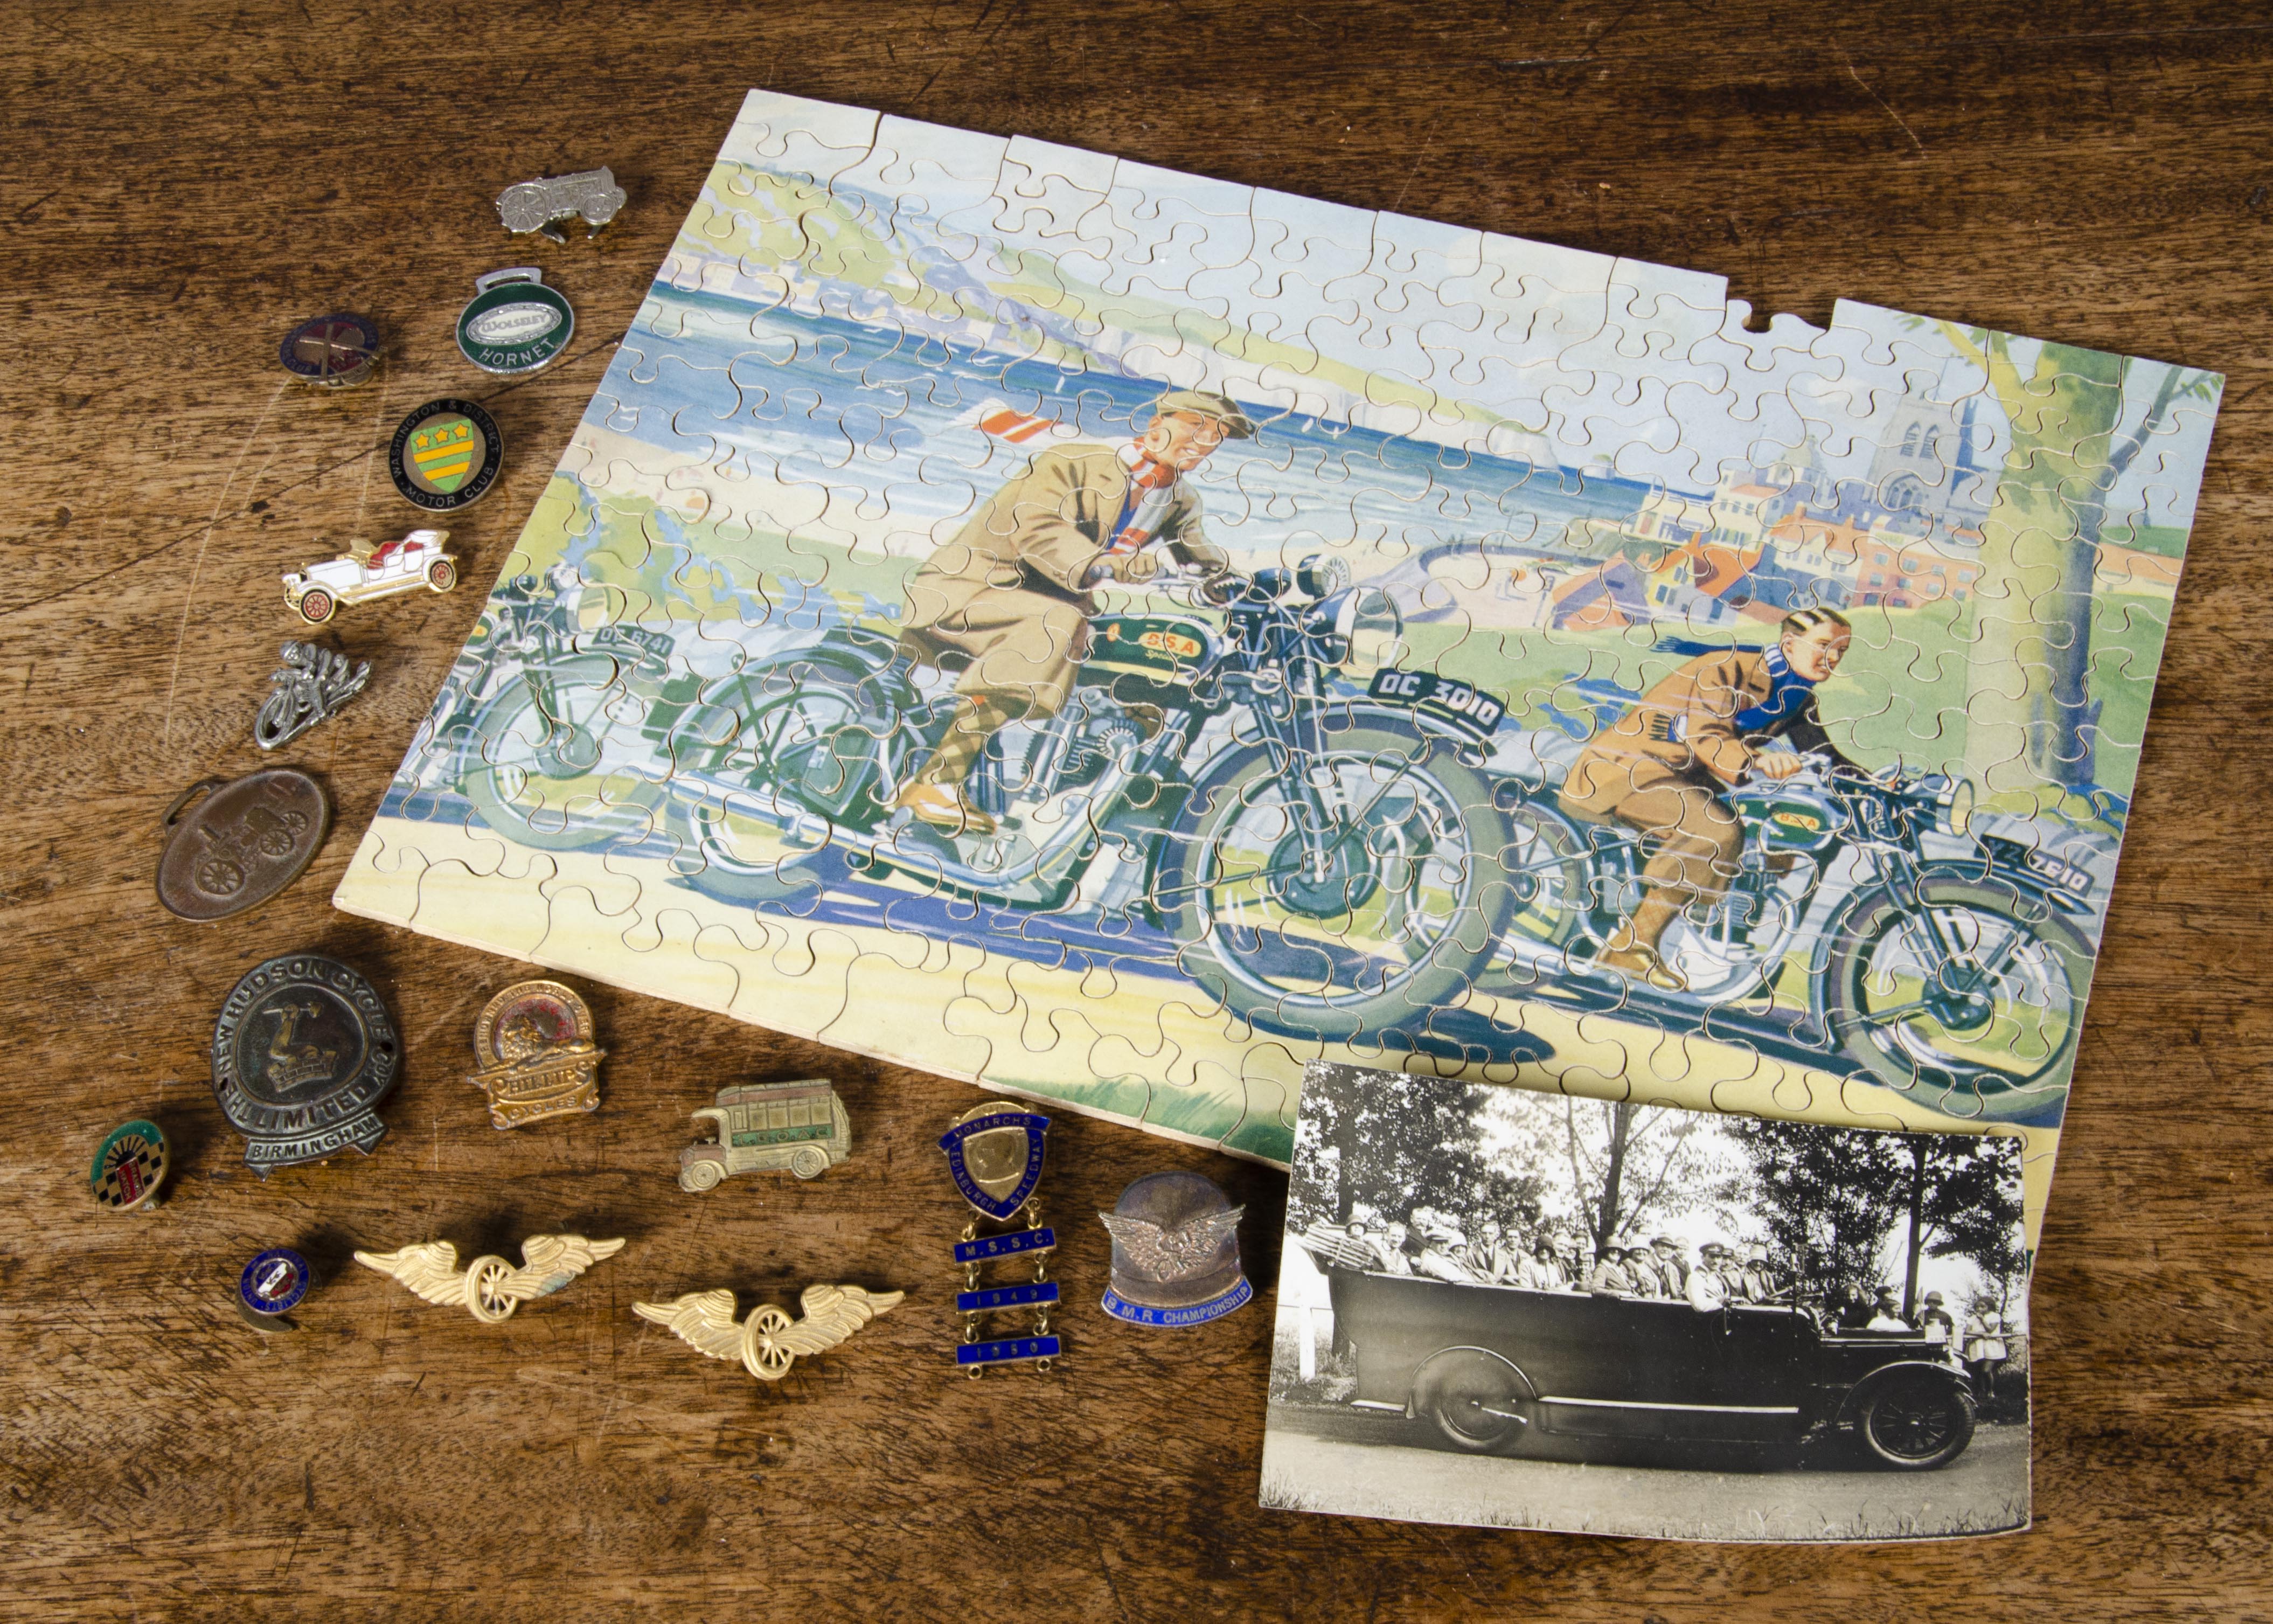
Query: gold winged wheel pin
769	1341
489	1287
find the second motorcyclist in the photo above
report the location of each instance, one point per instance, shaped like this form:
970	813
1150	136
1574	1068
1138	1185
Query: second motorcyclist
1664	766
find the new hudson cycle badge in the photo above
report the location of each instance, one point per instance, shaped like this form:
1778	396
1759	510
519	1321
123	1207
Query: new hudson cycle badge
515	324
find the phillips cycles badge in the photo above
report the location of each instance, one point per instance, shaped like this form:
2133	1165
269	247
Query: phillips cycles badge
303	1053
1175	1253
534	1043
128	1166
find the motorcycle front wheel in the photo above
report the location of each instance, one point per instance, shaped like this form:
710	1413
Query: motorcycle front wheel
1974	989
814	753
1405	909
535	769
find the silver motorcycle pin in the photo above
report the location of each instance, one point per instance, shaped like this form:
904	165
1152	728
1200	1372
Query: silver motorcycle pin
309	687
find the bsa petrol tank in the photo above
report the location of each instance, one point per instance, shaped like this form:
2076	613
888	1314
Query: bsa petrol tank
1167	648
1790	819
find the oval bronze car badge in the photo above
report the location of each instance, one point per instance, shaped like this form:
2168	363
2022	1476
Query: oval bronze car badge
445	455
248	840
303	1053
515	324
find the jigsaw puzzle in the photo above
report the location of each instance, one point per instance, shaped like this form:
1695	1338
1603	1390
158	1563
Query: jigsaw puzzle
1116	637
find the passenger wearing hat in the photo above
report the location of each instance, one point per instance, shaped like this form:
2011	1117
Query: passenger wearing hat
1935	1322
1641	1266
1387	1241
1759	1281
1440	1257
1006	605
1708	1287
1540	1271
1609	1277
1886	1314
1670	1264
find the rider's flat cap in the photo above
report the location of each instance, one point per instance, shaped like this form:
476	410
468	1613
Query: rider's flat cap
1205	403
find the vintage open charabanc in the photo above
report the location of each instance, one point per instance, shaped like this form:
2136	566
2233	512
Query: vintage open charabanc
1501	1369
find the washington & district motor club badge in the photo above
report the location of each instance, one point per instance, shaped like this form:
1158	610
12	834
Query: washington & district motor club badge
515	324
445	455
303	1053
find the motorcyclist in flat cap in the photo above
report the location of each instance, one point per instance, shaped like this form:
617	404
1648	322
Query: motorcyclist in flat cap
1006	605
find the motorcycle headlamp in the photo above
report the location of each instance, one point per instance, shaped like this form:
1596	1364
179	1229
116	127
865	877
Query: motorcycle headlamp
1368	632
1322	576
1953	804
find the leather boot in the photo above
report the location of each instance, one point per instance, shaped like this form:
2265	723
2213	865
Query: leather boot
1631	950
934	794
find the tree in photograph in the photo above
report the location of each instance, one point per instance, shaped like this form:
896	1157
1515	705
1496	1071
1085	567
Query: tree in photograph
1630	1162
1829	1197
1388	1144
1833	1197
1963	1200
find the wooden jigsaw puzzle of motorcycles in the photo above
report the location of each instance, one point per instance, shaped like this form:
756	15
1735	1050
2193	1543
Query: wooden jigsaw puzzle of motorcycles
1116	637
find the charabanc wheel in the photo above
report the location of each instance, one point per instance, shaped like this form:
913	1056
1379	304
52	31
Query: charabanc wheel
696	1176
316	606
1479	1403
1918	1421
441	574
808	1162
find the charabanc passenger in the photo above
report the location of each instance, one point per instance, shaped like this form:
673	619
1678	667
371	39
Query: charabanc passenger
1935	1321
1709	1286
1385	1239
1540	1271
1609	1277
1886	1312
1439	1256
1491	1256
1760	1282
1641	1268
1670	1264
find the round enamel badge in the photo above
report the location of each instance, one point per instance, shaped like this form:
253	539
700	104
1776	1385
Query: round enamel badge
514	323
130	1166
273	1282
332	352
445	455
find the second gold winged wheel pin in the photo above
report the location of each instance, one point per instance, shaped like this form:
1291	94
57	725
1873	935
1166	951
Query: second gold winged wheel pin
489	1287
769	1341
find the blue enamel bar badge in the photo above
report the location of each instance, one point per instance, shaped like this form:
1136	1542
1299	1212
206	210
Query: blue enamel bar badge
996	1159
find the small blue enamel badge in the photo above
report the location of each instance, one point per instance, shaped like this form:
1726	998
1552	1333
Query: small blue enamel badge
996	1159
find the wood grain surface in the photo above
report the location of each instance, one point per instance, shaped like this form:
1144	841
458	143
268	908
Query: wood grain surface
179	184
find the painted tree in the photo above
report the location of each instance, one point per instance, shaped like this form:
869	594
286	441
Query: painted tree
2029	710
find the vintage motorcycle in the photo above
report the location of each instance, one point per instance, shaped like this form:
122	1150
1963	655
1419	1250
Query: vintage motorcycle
525	714
1322	854
1933	952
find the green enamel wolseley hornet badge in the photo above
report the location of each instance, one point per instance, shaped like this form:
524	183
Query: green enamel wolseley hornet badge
514	323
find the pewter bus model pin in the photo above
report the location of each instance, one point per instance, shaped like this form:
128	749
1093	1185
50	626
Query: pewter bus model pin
766	1128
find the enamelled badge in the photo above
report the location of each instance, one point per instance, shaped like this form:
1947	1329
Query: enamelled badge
129	1167
537	1060
515	324
303	1053
445	455
994	1153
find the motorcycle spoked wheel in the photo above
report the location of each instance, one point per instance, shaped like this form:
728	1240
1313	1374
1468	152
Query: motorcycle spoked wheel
1410	913
1998	1016
800	757
539	778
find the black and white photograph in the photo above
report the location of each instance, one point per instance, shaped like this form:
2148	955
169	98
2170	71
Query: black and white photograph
1500	1307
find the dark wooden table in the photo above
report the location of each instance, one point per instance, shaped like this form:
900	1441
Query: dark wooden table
179	184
